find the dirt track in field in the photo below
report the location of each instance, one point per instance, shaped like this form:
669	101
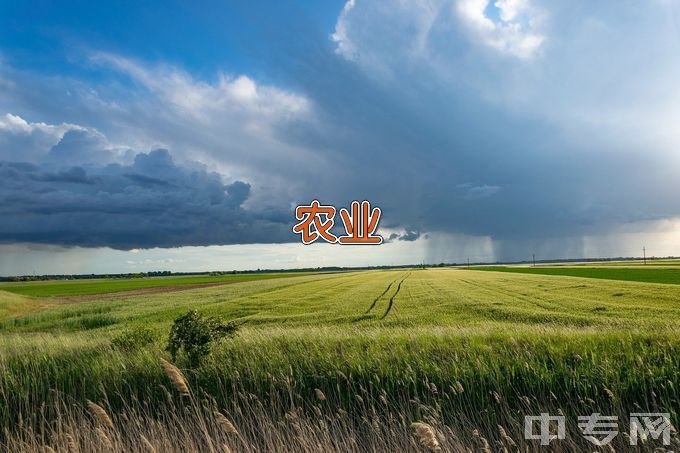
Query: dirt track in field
391	303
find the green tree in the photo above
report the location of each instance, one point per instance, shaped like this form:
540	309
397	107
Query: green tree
195	334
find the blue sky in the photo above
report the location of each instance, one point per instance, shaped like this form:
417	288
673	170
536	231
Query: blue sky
180	136
215	35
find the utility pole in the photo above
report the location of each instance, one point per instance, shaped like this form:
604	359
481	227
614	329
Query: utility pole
468	263
533	258
644	254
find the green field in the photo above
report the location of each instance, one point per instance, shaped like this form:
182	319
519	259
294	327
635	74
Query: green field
62	288
647	274
461	350
651	262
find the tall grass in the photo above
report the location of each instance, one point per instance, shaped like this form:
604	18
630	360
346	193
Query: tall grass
456	364
286	420
331	390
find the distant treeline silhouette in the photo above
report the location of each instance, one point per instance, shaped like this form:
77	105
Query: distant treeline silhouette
28	278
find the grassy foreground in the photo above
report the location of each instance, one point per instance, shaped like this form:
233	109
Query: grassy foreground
345	362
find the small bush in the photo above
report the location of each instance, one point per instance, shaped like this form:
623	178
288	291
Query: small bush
195	334
134	338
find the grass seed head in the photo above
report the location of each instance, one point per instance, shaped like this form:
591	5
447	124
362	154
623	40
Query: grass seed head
147	444
319	395
72	444
506	437
426	435
104	438
609	393
484	446
100	413
225	423
176	376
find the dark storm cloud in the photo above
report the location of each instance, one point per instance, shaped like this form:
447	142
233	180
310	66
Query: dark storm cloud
152	202
532	133
408	236
460	130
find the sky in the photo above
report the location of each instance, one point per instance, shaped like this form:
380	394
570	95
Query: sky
141	136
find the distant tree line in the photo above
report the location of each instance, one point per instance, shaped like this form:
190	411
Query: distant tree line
29	278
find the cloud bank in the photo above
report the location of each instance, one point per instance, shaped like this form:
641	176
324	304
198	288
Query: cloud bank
75	194
528	125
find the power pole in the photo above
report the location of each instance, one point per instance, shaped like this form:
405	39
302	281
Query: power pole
468	262
644	254
533	258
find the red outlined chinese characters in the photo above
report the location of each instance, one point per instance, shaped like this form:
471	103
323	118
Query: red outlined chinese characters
315	221
360	227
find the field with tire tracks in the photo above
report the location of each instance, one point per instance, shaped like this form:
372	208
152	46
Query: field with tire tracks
342	362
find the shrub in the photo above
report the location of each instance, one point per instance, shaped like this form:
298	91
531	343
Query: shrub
131	339
195	334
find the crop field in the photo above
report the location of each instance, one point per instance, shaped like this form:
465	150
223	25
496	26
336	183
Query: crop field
669	274
105	286
341	362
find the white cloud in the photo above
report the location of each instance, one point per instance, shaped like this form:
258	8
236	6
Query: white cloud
233	124
340	36
513	33
60	144
511	9
380	35
365	33
199	99
14	124
29	142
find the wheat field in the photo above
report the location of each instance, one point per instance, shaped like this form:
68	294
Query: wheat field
397	360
